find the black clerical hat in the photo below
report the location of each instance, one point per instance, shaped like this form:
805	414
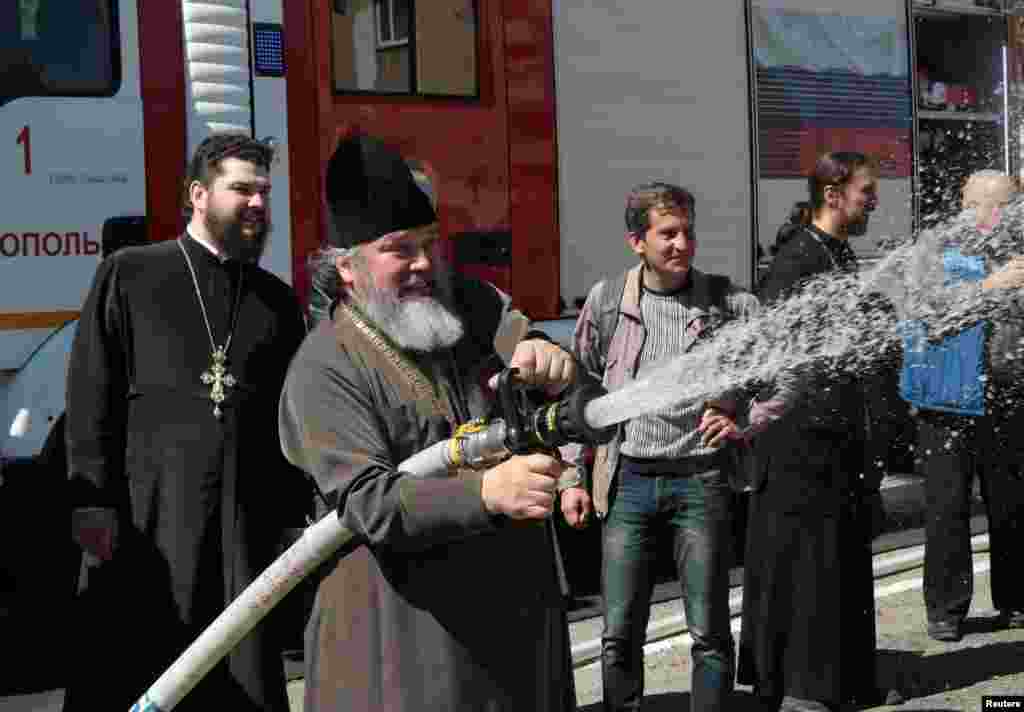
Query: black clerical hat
371	192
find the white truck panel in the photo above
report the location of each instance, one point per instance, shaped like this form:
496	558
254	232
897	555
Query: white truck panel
270	101
651	90
18	345
87	165
894	215
40	388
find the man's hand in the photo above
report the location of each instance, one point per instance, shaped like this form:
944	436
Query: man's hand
717	426
1009	276
542	363
576	507
95	530
522	487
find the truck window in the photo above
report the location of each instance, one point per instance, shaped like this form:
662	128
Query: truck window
426	48
59	48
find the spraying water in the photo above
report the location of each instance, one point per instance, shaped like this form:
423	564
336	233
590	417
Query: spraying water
838	323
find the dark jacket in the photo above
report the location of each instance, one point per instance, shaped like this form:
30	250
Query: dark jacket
831	401
817	408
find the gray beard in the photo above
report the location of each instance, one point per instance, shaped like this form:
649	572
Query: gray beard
423	325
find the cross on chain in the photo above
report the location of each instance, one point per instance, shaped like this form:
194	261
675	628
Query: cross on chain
218	378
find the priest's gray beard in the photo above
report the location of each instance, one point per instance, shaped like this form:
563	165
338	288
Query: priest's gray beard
422	324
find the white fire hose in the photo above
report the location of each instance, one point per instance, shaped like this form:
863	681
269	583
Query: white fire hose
317	543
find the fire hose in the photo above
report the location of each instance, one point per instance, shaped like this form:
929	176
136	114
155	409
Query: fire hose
520	428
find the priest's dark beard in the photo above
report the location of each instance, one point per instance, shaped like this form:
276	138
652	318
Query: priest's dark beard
423	324
227	233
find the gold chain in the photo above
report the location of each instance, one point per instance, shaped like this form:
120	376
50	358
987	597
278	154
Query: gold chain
217	376
422	385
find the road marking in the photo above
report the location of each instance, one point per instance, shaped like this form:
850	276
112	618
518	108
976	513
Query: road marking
890	481
584	653
915	583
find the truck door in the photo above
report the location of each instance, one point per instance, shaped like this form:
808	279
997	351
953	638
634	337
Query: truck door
71	132
649	90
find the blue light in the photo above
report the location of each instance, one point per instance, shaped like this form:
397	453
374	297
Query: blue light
268	49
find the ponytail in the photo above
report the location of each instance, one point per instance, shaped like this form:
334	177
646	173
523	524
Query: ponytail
800	216
801	213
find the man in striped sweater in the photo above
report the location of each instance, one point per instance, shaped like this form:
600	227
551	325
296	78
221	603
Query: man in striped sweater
665	474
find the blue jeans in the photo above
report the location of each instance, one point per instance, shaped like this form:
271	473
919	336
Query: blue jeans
694	508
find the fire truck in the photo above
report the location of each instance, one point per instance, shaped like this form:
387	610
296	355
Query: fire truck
495	104
527	120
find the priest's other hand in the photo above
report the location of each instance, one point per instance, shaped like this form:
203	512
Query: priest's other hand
543	364
522	487
95	530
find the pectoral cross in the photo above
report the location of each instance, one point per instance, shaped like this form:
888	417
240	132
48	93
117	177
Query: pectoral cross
218	378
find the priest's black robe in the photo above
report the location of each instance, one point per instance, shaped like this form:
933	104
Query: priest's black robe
808	593
203	501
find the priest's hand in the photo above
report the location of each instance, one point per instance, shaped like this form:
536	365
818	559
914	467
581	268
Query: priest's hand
543	364
95	530
522	487
576	507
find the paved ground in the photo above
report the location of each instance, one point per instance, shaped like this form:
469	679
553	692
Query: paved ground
931	676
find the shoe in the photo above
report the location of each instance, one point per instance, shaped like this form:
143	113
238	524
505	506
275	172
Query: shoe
793	704
1011	619
945	631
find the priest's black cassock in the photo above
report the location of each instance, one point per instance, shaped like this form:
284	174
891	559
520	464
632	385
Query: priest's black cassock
204	500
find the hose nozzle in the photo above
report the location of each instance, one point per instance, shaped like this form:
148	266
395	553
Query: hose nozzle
563	422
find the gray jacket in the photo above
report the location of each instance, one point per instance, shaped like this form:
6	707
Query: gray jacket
620	363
